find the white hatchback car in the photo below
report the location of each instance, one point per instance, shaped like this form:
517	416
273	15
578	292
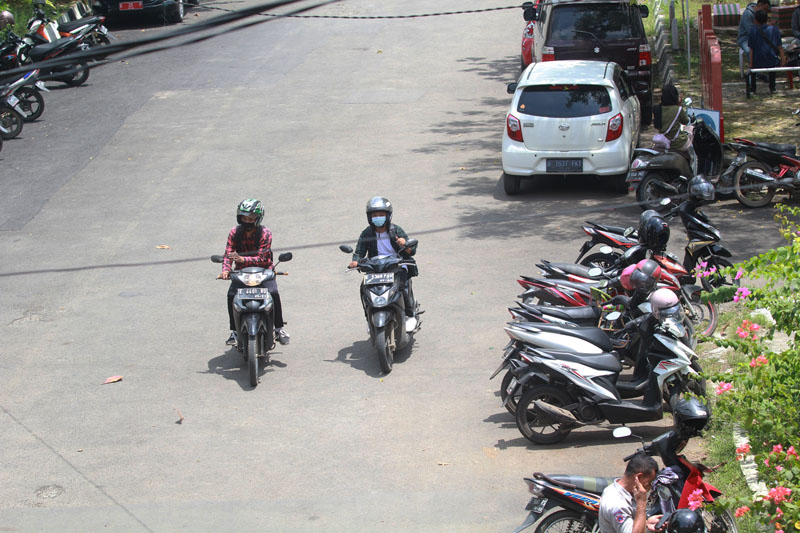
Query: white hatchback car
570	117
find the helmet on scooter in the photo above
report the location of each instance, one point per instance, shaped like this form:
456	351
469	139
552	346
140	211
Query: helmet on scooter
665	304
686	521
654	234
6	19
379	203
625	277
250	208
689	415
645	276
701	189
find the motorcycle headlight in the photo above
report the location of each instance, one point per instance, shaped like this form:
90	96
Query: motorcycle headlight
252	279
378	300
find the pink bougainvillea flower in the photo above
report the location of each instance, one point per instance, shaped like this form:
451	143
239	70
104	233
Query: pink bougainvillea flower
738	274
754	327
766	461
704	264
778	494
758	361
790	451
724	387
696	499
779	468
778	512
743	333
741	294
777	448
741	511
744	448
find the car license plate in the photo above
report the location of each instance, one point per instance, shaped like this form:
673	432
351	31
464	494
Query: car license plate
536	505
130	6
512	386
564	165
379	279
254	293
12	100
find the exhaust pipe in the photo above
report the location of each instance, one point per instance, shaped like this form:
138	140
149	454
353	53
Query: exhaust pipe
759	175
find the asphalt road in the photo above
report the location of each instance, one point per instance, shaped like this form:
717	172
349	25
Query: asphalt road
313	116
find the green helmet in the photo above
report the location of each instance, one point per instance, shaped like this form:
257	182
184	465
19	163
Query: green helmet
250	208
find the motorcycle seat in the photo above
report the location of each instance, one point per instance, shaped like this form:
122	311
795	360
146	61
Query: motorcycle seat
595	485
74	24
594	335
570	268
788	149
42	51
598	361
611	229
586	312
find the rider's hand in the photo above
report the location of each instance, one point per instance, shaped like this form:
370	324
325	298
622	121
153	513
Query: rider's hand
235	257
639	492
225	275
652	521
353	264
401	241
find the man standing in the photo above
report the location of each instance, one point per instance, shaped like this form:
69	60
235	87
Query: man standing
747	20
765	49
623	505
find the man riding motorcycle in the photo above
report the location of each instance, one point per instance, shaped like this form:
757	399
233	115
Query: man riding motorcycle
250	237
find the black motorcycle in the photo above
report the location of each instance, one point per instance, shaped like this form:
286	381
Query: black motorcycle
253	312
384	303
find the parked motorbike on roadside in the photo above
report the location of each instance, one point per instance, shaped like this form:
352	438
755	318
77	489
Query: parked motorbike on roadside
24	95
25	52
384	303
43	29
253	312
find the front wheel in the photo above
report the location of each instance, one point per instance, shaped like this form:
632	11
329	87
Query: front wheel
651	191
719	522
511	184
752	192
600	260
252	359
176	12
704	317
79	75
10	123
384	340
533	425
563	521
32	103
717	280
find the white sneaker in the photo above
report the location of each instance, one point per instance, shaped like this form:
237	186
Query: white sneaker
411	324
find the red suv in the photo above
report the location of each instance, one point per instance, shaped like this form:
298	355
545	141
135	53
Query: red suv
606	30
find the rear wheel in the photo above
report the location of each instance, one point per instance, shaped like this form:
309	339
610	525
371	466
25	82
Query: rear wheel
564	521
719	522
175	12
704	317
751	192
532	425
511	184
649	193
600	260
384	341
32	103
10	123
717	280
252	359
78	76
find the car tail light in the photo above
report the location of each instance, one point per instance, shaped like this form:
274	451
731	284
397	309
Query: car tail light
614	127
514	128
645	58
548	53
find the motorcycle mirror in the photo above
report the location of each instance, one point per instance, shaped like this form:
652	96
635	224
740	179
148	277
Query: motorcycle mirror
511	87
687	102
595	272
622	432
606	249
611	317
217	258
796	112
346	249
410	243
627	232
665	201
630	252
286	256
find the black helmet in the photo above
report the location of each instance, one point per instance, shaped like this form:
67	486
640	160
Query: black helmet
379	203
686	521
250	208
646	275
701	189
654	234
690	415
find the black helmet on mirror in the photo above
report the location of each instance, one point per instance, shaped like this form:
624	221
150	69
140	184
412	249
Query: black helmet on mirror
689	415
701	189
654	234
379	203
6	19
686	521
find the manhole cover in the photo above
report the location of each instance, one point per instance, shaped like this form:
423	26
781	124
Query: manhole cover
50	491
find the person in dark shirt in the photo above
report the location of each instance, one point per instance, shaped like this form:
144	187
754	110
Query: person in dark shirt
765	49
249	236
746	22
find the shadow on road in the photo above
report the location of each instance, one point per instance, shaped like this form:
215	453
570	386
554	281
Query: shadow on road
597	436
361	355
231	365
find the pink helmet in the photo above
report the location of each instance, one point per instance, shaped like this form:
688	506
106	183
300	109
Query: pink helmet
664	303
625	277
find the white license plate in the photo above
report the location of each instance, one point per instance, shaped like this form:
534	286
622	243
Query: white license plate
512	386
12	100
379	279
255	293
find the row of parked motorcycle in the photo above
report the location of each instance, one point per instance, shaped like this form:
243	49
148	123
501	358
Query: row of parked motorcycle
611	339
21	98
752	172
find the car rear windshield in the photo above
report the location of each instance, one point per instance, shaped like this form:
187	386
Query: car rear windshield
564	101
596	22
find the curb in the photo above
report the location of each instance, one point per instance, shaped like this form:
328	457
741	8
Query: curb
748	465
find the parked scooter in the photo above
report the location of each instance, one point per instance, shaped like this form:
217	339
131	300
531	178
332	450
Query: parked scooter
661	174
43	29
25	51
253	312
24	95
384	304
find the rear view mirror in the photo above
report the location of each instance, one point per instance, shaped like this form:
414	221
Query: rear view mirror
528	11
611	317
285	256
606	249
622	432
346	249
644	11
627	232
687	102
410	243
217	258
511	88
595	272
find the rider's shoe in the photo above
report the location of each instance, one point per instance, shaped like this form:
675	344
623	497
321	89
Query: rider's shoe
282	336
411	324
232	339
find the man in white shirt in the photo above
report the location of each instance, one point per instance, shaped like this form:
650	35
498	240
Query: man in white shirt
623	505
